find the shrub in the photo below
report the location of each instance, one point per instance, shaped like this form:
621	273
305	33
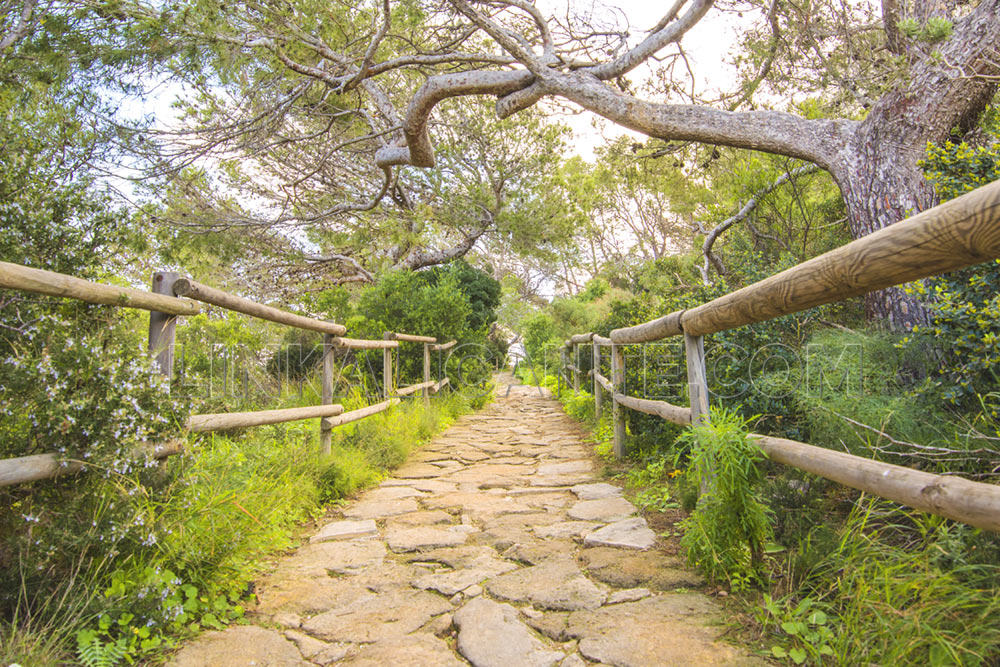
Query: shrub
728	531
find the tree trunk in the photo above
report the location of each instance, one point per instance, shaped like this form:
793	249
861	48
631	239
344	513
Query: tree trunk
877	170
881	185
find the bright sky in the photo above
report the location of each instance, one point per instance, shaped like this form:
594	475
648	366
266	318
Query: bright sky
708	45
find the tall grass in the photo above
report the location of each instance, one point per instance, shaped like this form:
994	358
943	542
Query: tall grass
901	588
195	541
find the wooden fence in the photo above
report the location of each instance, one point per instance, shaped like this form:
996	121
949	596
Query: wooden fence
173	296
959	233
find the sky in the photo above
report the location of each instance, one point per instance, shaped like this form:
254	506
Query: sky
708	45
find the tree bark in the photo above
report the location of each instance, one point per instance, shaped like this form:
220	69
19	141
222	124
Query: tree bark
877	170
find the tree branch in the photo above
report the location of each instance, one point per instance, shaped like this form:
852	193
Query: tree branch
745	210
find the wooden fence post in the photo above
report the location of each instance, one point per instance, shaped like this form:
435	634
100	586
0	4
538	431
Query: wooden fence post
162	327
694	348
387	369
576	371
325	430
618	384
562	369
427	374
597	385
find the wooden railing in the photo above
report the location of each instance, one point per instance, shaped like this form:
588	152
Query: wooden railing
173	296
959	233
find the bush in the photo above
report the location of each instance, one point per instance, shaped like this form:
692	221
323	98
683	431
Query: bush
728	531
964	307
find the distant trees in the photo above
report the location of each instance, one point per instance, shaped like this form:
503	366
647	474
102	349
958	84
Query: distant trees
912	75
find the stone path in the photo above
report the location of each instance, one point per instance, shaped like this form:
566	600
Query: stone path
496	545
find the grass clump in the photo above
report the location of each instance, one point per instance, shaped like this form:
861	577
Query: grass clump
728	531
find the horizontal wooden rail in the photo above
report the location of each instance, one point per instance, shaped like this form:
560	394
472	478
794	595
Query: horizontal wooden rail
444	346
956	234
360	413
410	338
662	409
602	340
605	384
974	503
216	297
358	344
662	327
414	388
46	466
572	368
227	420
580	338
439	385
39	281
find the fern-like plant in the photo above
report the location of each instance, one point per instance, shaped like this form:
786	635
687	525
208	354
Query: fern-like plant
726	535
93	651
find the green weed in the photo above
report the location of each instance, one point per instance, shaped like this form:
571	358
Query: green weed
728	531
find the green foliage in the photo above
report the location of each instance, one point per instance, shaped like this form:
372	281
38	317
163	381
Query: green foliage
935	29
726	535
806	633
964	305
899	588
650	484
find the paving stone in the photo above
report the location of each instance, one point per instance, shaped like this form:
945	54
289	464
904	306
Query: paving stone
556	584
308	646
419	471
392	493
604	509
628	595
552	624
566	467
596	491
343	530
478	503
453	581
669	629
628	534
566	529
534	553
490	635
371	617
439	626
417	650
424	518
631	569
573	660
240	646
380	509
426	485
414	539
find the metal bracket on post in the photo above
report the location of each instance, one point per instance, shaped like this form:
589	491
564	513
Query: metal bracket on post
618	383
325	430
162	326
